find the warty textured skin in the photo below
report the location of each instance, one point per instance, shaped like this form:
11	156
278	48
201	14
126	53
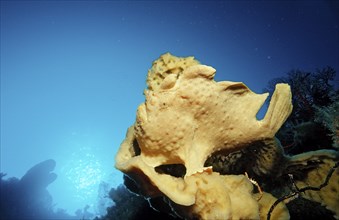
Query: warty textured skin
198	116
185	118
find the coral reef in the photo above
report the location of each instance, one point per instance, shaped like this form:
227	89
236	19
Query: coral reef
265	203
130	206
329	117
311	134
313	168
313	124
28	197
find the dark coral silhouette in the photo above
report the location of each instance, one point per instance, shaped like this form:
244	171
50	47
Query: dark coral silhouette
28	197
313	92
129	205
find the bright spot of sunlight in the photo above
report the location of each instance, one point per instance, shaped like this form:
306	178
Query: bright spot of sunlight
84	171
